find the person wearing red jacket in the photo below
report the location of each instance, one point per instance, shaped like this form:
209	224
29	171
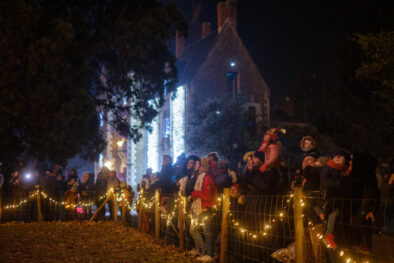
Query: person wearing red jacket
204	197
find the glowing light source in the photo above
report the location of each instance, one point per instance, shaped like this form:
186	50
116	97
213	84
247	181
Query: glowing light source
108	164
153	147
178	122
120	143
232	64
100	162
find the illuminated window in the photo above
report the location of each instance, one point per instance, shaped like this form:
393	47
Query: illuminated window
232	83
178	122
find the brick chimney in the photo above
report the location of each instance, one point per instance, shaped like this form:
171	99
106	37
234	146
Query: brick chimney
227	12
206	29
179	44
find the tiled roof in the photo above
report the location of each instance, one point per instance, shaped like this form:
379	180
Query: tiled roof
194	56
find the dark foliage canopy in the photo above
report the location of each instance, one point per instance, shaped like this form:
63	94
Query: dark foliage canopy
226	127
64	62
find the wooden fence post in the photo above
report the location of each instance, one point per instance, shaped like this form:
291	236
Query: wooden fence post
99	208
1	203
224	227
157	215
181	222
298	226
124	208
140	210
115	207
39	214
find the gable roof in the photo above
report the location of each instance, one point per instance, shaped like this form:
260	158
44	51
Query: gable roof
194	56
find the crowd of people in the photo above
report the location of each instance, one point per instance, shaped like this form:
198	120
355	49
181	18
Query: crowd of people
327	181
344	189
67	196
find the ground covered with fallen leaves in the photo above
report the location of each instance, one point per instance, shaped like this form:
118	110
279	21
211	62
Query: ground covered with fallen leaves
81	242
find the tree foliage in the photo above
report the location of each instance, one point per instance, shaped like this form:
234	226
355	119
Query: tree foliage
63	62
356	111
223	126
378	64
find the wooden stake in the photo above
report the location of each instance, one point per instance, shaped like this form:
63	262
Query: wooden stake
157	215
39	214
115	207
224	227
299	226
181	222
99	208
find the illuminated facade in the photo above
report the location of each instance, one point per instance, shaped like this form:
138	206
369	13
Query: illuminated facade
216	64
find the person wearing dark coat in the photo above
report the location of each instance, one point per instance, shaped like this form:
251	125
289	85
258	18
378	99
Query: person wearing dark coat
165	181
361	184
330	182
100	189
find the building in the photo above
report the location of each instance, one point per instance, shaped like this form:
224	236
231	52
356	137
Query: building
216	65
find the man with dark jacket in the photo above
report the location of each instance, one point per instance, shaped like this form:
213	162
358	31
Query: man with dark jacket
165	180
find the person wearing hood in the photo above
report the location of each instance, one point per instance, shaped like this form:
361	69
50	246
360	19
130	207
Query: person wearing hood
308	147
272	149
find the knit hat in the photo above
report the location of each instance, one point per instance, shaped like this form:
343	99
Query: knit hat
273	133
345	155
247	155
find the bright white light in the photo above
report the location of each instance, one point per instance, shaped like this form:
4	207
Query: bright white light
108	164
178	122
120	143
100	162
232	64
153	147
218	112
101	119
28	176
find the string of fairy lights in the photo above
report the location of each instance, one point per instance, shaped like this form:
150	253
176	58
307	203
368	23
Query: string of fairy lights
148	203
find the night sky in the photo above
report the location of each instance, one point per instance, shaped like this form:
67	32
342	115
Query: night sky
286	38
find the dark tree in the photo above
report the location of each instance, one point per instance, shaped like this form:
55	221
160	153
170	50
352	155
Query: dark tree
225	127
64	62
357	110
